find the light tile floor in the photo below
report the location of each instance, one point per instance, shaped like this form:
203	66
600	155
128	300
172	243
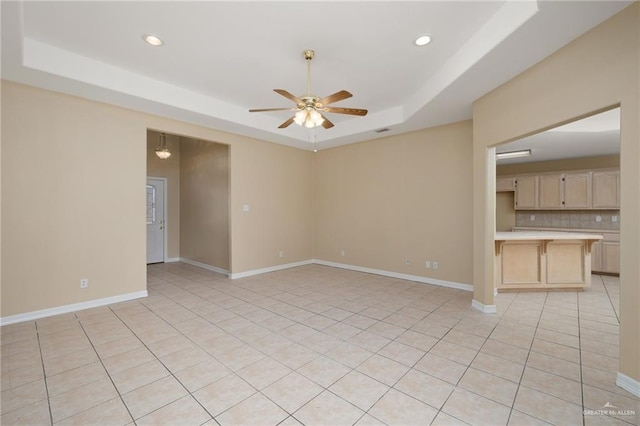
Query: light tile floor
316	345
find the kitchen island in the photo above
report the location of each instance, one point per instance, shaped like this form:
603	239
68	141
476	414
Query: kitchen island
543	261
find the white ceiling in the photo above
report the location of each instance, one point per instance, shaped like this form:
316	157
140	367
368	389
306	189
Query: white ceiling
222	58
592	136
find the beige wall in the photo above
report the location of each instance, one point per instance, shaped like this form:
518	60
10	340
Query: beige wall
275	182
73	178
597	70
204	202
401	197
169	169
505	211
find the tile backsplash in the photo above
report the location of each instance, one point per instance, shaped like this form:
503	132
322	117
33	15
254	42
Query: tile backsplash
575	219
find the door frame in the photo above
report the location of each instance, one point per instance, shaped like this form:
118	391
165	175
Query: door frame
165	234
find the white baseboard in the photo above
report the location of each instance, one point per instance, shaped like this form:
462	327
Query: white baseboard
417	278
486	309
204	266
30	316
628	384
172	260
269	269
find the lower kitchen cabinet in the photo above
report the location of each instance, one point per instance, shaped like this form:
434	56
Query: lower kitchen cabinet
605	255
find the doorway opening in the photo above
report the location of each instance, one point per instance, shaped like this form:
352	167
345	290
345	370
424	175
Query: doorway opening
574	176
196	197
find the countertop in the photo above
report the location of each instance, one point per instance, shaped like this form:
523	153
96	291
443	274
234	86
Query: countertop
544	235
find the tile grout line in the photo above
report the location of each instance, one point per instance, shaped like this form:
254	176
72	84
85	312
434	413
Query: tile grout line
515	397
580	358
104	367
44	373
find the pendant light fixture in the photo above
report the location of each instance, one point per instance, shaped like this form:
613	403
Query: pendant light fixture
162	151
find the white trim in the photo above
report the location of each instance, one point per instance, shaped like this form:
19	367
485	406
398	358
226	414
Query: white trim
165	213
269	269
29	316
485	309
204	266
172	259
417	278
628	384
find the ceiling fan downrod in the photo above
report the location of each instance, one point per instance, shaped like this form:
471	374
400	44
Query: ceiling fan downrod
308	56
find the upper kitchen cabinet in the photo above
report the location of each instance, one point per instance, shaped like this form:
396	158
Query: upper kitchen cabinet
505	184
606	189
526	197
577	190
565	191
551	191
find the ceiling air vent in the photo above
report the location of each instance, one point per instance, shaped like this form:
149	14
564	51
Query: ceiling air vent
386	129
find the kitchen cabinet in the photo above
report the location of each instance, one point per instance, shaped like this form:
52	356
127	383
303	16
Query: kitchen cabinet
606	189
505	184
551	191
564	191
543	260
605	255
526	197
575	190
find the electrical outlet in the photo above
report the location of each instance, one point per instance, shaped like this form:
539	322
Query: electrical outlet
598	218
427	264
407	261
245	207
435	265
532	218
614	218
343	253
281	253
84	283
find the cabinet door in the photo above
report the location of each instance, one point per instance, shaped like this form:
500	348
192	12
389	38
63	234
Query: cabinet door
606	190
577	190
611	257
551	191
504	184
526	193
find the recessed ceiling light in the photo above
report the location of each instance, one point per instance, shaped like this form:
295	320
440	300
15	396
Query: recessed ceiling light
152	40
422	40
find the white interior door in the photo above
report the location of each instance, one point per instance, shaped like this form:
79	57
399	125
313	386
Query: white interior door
155	220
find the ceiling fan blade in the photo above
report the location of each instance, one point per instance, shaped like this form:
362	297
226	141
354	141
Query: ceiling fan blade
288	96
286	123
326	123
338	96
350	111
270	109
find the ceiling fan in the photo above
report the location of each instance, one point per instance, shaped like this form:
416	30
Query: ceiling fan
310	108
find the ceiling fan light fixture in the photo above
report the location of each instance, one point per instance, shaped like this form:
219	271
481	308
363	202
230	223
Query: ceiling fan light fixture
422	40
309	118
